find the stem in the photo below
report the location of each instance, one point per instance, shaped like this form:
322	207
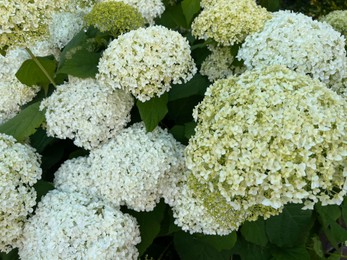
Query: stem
40	66
165	250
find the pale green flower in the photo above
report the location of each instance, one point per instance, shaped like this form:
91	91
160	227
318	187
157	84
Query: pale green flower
115	17
338	20
229	21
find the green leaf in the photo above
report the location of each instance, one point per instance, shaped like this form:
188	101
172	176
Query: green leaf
82	64
291	227
296	253
190	247
25	123
31	74
344	210
153	111
42	188
189	129
12	255
219	242
196	86
173	17
75	44
178	131
255	232
317	247
190	9
39	140
328	217
271	5
181	110
150	223
249	251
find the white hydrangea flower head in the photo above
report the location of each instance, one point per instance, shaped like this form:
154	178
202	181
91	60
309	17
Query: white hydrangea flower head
64	26
341	87
24	22
338	20
267	138
87	111
219	64
228	22
132	169
150	9
71	226
146	62
14	94
300	43
19	171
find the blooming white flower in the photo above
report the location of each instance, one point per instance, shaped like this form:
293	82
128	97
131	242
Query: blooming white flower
132	169
229	21
301	44
71	226
64	26
19	171
14	94
264	139
150	9
86	111
219	64
147	61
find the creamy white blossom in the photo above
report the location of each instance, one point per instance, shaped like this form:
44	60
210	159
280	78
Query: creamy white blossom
132	169
150	9
220	64
64	26
71	226
264	139
301	44
229	21
146	62
86	111
19	171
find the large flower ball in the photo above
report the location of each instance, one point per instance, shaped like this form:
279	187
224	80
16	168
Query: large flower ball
146	62
267	138
228	22
19	171
131	169
71	226
86	111
299	43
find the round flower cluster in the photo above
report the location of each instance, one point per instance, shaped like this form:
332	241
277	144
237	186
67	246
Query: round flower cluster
64	26
229	21
267	138
86	111
147	61
19	171
24	22
114	17
131	169
301	44
219	64
338	20
70	226
149	9
14	94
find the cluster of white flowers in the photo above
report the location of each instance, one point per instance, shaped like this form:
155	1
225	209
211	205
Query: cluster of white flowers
71	226
229	21
132	169
14	94
19	171
147	61
338	20
267	138
150	9
87	111
23	22
64	26
301	44
219	64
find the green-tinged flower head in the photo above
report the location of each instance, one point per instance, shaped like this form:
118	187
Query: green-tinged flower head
338	20
266	138
25	22
115	17
229	21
